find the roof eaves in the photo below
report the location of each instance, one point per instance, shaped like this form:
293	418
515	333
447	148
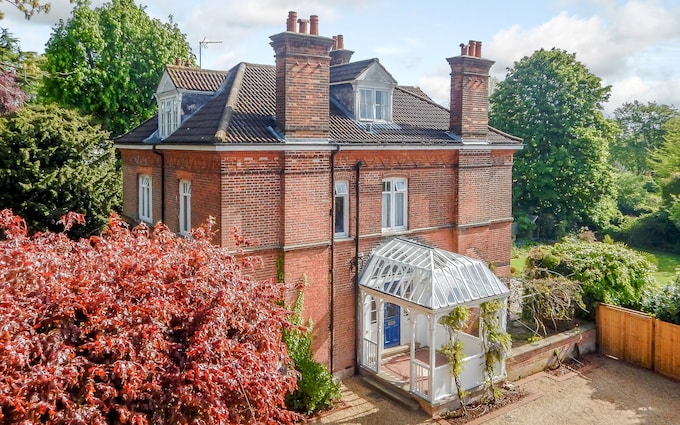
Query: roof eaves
504	134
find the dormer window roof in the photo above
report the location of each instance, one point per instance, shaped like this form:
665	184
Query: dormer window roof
181	92
365	89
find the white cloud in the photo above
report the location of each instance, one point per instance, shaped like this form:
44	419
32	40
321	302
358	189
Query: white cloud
438	87
635	88
618	43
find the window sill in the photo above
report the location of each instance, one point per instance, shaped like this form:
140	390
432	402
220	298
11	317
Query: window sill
387	232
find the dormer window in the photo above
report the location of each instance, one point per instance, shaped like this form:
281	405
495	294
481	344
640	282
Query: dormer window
374	104
168	116
365	90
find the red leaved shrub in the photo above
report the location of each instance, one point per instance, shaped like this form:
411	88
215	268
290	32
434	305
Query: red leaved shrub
136	327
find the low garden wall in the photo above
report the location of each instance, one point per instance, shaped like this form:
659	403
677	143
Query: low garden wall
537	356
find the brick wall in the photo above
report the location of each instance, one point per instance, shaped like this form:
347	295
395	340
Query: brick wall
251	197
134	163
470	96
306	198
202	169
302	84
536	357
282	201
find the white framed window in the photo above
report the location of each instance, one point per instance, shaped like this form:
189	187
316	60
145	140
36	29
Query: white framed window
168	116
145	207
374	104
184	207
341	222
394	204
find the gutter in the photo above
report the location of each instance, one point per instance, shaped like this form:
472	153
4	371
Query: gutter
331	278
357	329
154	150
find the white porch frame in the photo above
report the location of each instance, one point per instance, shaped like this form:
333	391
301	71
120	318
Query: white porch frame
426	380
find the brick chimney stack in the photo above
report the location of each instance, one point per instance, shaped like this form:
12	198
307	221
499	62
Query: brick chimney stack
340	55
302	79
470	92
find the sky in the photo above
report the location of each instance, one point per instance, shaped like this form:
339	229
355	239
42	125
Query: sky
633	45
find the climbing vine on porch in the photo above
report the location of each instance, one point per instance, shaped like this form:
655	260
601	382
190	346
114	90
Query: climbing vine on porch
453	349
496	343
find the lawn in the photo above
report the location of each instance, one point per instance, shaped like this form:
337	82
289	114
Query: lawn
666	265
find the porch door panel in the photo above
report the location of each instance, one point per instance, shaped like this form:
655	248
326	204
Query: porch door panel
392	325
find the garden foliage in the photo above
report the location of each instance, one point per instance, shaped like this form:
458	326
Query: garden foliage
136	327
316	387
609	273
665	304
52	161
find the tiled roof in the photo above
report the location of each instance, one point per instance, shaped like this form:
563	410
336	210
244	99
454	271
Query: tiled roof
415	90
243	110
349	71
189	78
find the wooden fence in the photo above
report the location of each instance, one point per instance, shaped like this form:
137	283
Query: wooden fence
639	339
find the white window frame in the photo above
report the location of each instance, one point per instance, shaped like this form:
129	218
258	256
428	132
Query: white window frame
168	116
395	191
145	198
374	104
184	207
341	191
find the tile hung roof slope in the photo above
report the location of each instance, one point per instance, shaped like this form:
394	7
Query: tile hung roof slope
190	78
243	108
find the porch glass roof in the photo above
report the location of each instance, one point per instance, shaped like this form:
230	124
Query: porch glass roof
430	277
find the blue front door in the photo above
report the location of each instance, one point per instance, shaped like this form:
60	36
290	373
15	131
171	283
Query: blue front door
392	320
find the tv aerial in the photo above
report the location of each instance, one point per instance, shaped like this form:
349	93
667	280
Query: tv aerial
204	45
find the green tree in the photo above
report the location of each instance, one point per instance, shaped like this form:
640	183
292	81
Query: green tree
53	161
637	194
11	96
554	103
107	62
28	7
641	132
665	161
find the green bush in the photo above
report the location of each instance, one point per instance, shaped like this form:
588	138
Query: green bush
316	387
654	230
665	304
637	194
610	273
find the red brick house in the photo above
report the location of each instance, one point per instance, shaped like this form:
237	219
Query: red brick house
322	160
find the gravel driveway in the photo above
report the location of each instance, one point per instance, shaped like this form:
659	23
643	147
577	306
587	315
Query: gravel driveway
608	392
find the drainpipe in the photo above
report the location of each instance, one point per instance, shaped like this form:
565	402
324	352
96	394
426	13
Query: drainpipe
154	150
332	262
357	330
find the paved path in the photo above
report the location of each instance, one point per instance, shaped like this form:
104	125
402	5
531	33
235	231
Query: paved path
610	392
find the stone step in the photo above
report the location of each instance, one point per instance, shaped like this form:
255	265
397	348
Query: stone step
398	394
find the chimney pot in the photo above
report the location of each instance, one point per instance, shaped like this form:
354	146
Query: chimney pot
178	61
341	42
335	42
314	25
472	49
303	25
187	63
469	102
290	23
463	49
